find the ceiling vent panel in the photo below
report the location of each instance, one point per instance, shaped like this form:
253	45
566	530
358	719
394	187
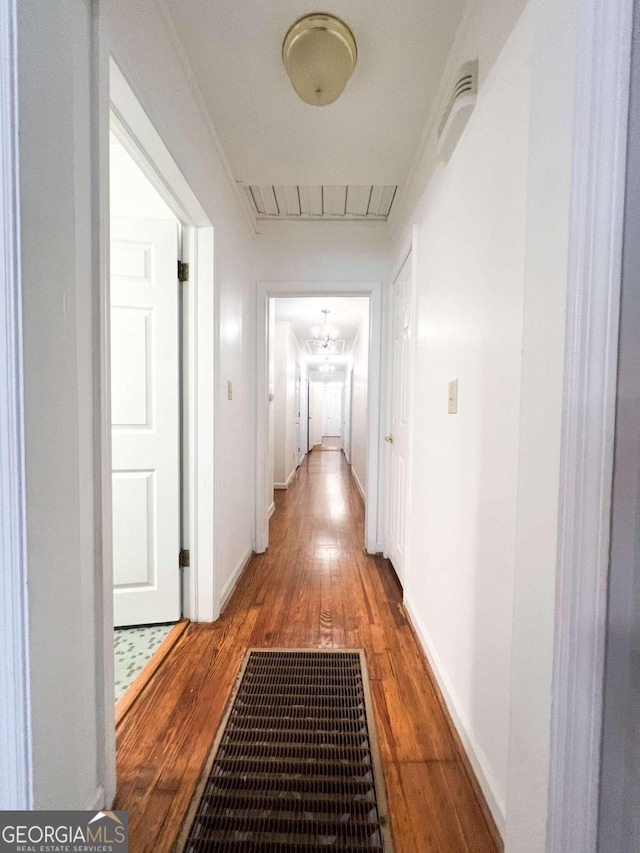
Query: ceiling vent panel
335	201
460	105
386	200
358	200
310	201
354	202
264	199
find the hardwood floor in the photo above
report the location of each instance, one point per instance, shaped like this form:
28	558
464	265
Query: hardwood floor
314	588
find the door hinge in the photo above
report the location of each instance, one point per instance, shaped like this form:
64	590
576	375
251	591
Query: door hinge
184	560
183	271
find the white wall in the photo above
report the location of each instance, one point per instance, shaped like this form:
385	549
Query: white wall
59	259
325	253
359	415
155	69
459	583
492	250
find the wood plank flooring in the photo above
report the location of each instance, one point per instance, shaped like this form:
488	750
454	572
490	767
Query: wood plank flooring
314	588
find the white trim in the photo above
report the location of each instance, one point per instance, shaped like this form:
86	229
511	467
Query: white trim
265	291
102	406
229	587
410	253
472	748
604	43
287	482
142	141
99	801
356	480
272	508
16	783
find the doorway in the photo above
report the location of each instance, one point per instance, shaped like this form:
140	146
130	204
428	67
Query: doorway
159	368
328	336
146	244
400	401
146	417
332	413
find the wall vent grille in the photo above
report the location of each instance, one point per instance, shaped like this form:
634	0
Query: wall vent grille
459	107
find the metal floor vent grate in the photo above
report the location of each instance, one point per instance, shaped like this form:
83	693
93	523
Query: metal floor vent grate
295	765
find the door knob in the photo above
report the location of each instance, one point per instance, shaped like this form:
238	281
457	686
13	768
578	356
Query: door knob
389	438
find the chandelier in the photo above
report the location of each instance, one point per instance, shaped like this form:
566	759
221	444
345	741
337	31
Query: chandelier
324	336
327	370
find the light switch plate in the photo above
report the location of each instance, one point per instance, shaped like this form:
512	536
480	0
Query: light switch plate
229	390
453	397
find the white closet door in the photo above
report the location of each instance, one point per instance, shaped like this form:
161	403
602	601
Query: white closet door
332	410
399	438
145	418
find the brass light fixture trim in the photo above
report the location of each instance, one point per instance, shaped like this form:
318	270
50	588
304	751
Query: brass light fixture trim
319	54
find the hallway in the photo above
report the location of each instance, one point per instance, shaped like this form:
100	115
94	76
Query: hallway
313	588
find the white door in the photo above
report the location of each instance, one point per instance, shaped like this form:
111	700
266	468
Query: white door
332	410
297	406
346	417
398	440
145	420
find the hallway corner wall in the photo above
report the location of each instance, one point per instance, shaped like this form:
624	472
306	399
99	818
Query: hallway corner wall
470	251
155	69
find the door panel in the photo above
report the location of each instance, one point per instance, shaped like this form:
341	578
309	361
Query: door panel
400	401
332	410
298	407
145	403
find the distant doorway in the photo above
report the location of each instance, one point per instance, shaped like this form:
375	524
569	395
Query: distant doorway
332	411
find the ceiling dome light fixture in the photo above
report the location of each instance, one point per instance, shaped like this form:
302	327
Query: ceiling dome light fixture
319	53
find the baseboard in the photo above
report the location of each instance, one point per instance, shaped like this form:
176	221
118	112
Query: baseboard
476	759
358	483
272	508
288	482
227	590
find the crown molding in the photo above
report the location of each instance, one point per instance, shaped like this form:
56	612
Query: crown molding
196	91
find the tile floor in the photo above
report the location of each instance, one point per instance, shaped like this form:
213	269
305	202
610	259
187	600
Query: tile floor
133	647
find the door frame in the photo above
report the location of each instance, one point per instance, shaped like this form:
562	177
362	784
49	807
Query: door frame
596	221
410	252
16	782
201	599
267	290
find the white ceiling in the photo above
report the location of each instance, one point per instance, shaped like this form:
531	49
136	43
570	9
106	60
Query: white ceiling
305	312
369	136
